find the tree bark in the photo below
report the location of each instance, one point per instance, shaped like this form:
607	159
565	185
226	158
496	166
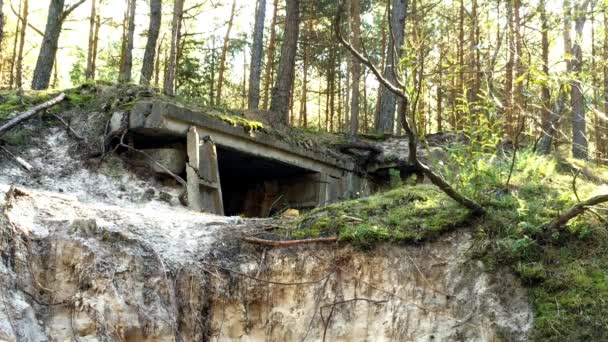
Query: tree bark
604	140
171	66
518	87
222	66
545	92
90	73
270	56
305	64
355	67
124	76
385	122
1	22
19	63
253	97
48	50
508	92
579	136
147	68
279	105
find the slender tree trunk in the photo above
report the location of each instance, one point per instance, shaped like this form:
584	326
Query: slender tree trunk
305	64
212	80
222	66
508	93
461	92
355	67
11	81
171	66
90	73
270	56
1	24
365	108
285	75
545	92
147	67
579	136
386	117
382	66
256	56
604	140
124	75
19	64
157	61
518	91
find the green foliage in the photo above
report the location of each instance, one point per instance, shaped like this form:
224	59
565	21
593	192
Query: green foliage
78	71
568	274
405	214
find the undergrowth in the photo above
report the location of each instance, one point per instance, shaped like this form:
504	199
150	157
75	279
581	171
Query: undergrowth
566	272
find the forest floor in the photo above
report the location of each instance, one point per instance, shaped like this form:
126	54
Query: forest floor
565	272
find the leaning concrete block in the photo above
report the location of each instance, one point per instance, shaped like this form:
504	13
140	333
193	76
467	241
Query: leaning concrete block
173	159
139	113
116	121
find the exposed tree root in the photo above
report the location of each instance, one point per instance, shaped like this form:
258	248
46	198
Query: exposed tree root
575	210
287	243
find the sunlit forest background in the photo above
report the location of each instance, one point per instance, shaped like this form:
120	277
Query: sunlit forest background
515	66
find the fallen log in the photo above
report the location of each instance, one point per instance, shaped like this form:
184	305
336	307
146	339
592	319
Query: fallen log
576	210
286	243
29	113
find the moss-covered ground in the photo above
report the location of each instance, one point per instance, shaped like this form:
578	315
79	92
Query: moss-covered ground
566	271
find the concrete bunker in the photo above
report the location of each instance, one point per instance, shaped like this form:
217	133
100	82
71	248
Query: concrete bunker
233	171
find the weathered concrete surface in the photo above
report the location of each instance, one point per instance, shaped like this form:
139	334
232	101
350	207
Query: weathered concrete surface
170	119
172	159
115	273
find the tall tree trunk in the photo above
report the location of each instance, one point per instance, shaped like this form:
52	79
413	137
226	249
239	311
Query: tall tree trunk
147	67
255	71
508	93
19	63
518	91
305	63
222	66
579	136
157	61
48	50
282	86
545	92
212	80
440	89
1	24
355	67
124	75
460	91
270	56
90	73
385	122
365	107
604	141
171	66
382	66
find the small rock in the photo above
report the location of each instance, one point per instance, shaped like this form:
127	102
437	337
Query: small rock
148	195
165	197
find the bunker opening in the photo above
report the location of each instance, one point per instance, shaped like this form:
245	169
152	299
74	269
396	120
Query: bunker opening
255	186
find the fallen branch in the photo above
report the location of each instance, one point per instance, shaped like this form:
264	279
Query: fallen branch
576	210
287	243
29	113
70	129
24	164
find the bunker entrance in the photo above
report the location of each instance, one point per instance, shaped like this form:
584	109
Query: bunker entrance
255	186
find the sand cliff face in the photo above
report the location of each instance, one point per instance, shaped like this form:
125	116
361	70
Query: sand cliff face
74	271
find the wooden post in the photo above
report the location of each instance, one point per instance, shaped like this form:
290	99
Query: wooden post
204	188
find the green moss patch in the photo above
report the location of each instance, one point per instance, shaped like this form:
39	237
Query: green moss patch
405	214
